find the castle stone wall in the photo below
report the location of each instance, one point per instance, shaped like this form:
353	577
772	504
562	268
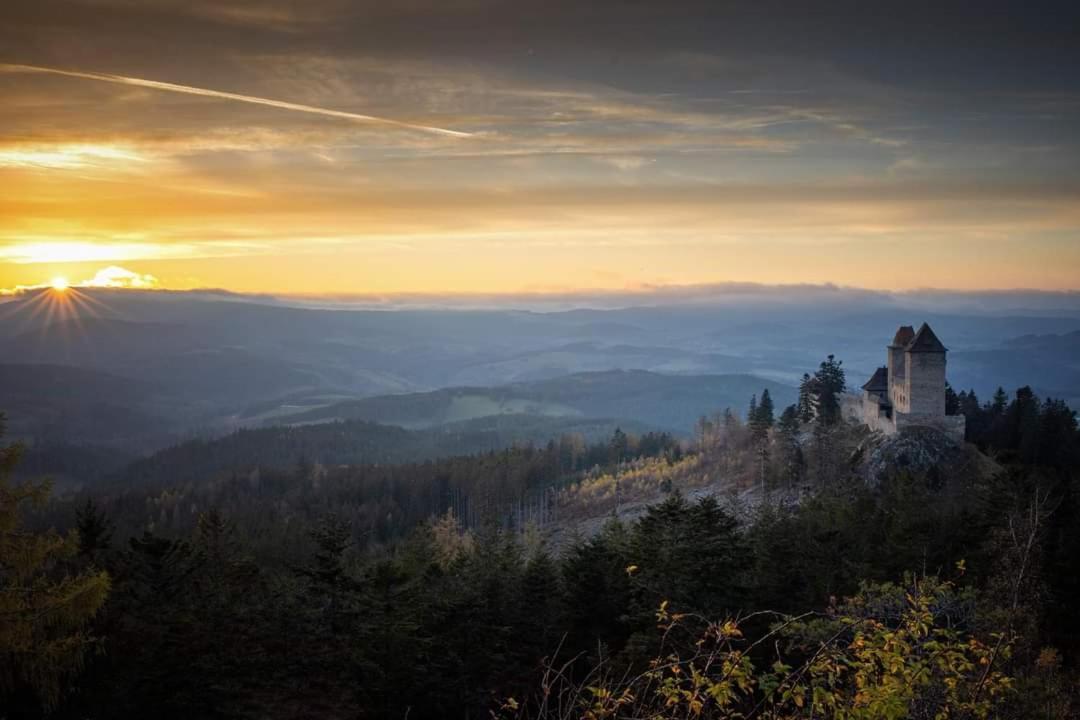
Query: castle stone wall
852	407
895	363
925	384
875	417
952	425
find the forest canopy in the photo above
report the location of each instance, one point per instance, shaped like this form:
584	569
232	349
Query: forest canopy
393	590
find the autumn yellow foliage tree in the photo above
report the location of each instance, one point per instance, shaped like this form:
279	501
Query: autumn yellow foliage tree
868	660
45	604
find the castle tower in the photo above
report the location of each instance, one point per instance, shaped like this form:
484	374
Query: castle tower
909	392
897	366
924	380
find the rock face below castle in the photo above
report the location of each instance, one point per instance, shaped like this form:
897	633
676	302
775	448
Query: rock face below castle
909	391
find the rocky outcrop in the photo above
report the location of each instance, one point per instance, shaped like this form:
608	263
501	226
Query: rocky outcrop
919	451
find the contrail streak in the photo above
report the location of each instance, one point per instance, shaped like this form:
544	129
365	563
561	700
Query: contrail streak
188	90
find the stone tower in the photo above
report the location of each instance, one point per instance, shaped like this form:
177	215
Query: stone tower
897	366
909	391
924	374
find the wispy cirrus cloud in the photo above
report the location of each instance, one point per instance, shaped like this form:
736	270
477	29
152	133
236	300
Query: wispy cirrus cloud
252	99
46	251
65	156
651	140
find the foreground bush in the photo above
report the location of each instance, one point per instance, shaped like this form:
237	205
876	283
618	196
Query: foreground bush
890	652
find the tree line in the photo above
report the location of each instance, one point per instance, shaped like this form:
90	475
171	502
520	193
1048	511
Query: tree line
366	591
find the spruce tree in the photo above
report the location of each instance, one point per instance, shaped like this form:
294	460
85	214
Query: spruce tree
731	421
620	446
1000	401
952	400
806	398
788	428
828	384
761	419
94	529
765	409
45	604
789	420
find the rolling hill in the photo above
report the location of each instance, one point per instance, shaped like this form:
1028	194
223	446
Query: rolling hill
353	442
671	402
56	403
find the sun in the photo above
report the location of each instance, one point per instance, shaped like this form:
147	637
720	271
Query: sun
59	283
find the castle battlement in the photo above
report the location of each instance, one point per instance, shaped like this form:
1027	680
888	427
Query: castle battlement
909	391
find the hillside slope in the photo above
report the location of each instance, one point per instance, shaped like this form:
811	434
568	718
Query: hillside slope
83	406
353	442
671	402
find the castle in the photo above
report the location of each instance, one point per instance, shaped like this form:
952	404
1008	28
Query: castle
910	390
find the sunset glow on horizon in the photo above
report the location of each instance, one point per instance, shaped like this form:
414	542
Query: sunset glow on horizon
333	150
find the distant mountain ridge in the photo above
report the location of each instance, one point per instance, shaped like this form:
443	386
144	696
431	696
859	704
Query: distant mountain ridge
670	402
1050	363
353	442
207	364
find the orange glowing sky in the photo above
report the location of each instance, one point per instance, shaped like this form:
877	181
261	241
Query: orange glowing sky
345	147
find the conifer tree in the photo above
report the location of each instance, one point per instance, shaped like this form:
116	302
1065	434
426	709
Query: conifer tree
806	398
45	606
1000	401
828	383
766	409
788	428
704	430
730	419
760	420
94	529
327	571
620	446
789	420
952	400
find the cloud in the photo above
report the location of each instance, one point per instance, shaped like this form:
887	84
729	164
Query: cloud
675	144
65	156
30	250
118	277
113	277
204	92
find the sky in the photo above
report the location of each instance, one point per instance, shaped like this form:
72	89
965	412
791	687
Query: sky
337	147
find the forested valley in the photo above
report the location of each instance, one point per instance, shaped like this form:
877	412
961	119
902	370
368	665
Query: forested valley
755	570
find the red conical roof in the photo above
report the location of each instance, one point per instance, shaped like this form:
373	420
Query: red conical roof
903	336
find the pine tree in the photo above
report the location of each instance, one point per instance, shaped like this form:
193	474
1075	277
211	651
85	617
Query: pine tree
752	413
327	571
1028	424
828	384
1000	401
789	420
807	392
788	427
765	409
704	430
540	605
760	420
94	529
620	446
952	400
969	404
45	607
